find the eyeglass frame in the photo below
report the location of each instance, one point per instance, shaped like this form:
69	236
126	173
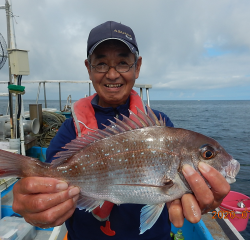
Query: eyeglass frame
94	66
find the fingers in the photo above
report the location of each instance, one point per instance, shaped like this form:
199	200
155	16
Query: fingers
191	209
207	198
204	199
54	216
38	184
202	193
175	213
187	208
44	202
219	186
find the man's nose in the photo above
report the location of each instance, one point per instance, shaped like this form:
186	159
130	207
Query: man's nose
112	73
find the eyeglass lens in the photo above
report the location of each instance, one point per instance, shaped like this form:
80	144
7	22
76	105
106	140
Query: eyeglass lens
121	67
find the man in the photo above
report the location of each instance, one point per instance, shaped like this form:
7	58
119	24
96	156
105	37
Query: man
113	65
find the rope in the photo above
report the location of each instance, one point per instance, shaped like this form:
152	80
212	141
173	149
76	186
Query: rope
51	123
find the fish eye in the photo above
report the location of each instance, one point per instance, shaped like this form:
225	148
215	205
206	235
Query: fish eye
207	151
208	154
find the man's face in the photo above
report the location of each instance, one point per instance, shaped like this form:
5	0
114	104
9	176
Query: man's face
113	87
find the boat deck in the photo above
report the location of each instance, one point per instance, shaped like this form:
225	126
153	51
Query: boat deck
214	228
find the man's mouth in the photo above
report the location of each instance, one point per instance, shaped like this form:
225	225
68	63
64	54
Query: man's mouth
113	85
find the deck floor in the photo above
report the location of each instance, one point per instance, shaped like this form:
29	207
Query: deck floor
213	227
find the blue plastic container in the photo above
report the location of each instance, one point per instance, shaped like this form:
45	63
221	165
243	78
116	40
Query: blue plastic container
37	152
194	231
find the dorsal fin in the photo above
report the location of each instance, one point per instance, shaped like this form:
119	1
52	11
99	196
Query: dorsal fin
135	121
152	116
116	126
110	129
123	124
143	116
130	122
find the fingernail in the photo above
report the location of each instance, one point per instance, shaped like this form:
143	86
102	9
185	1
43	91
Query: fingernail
74	191
203	167
188	170
62	186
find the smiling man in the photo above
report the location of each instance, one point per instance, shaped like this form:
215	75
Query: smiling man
113	64
109	68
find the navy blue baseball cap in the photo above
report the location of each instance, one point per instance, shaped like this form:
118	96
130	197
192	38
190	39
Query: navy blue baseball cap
111	30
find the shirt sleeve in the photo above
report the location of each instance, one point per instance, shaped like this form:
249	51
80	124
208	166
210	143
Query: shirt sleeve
65	134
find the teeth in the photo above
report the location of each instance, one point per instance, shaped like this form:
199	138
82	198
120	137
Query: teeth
113	85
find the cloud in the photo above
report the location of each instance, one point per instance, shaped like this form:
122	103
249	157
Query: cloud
174	38
211	73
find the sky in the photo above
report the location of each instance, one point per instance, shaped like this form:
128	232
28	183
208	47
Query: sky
191	49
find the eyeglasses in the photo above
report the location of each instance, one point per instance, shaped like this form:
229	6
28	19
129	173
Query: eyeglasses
121	67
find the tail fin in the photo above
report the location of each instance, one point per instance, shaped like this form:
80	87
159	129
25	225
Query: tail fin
15	165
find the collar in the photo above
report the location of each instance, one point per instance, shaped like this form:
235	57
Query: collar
109	110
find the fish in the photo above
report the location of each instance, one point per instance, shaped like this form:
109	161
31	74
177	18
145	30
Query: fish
136	160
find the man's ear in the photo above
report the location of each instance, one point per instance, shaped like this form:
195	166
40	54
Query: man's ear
88	68
138	67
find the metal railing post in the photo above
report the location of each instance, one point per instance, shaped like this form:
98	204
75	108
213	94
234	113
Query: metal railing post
38	92
147	92
141	93
44	91
12	126
60	104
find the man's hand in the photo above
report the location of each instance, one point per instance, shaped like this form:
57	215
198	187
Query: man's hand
204	199
44	202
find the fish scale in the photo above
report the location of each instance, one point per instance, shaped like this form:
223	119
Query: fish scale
137	160
115	164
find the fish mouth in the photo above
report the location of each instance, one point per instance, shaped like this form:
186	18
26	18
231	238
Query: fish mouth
232	170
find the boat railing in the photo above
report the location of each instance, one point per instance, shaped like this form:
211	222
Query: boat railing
44	82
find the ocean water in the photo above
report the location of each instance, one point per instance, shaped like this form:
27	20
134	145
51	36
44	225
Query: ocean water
228	122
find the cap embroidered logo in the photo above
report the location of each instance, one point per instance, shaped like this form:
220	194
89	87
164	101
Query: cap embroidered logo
128	37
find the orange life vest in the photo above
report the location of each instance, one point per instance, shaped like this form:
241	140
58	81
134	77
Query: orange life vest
83	111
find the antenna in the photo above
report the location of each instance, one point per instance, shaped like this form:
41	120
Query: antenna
3	51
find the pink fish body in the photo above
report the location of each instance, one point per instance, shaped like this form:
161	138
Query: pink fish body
130	161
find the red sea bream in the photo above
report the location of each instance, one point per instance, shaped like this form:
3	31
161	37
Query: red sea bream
137	160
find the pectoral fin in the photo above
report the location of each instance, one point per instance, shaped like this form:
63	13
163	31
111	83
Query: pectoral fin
88	203
149	215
